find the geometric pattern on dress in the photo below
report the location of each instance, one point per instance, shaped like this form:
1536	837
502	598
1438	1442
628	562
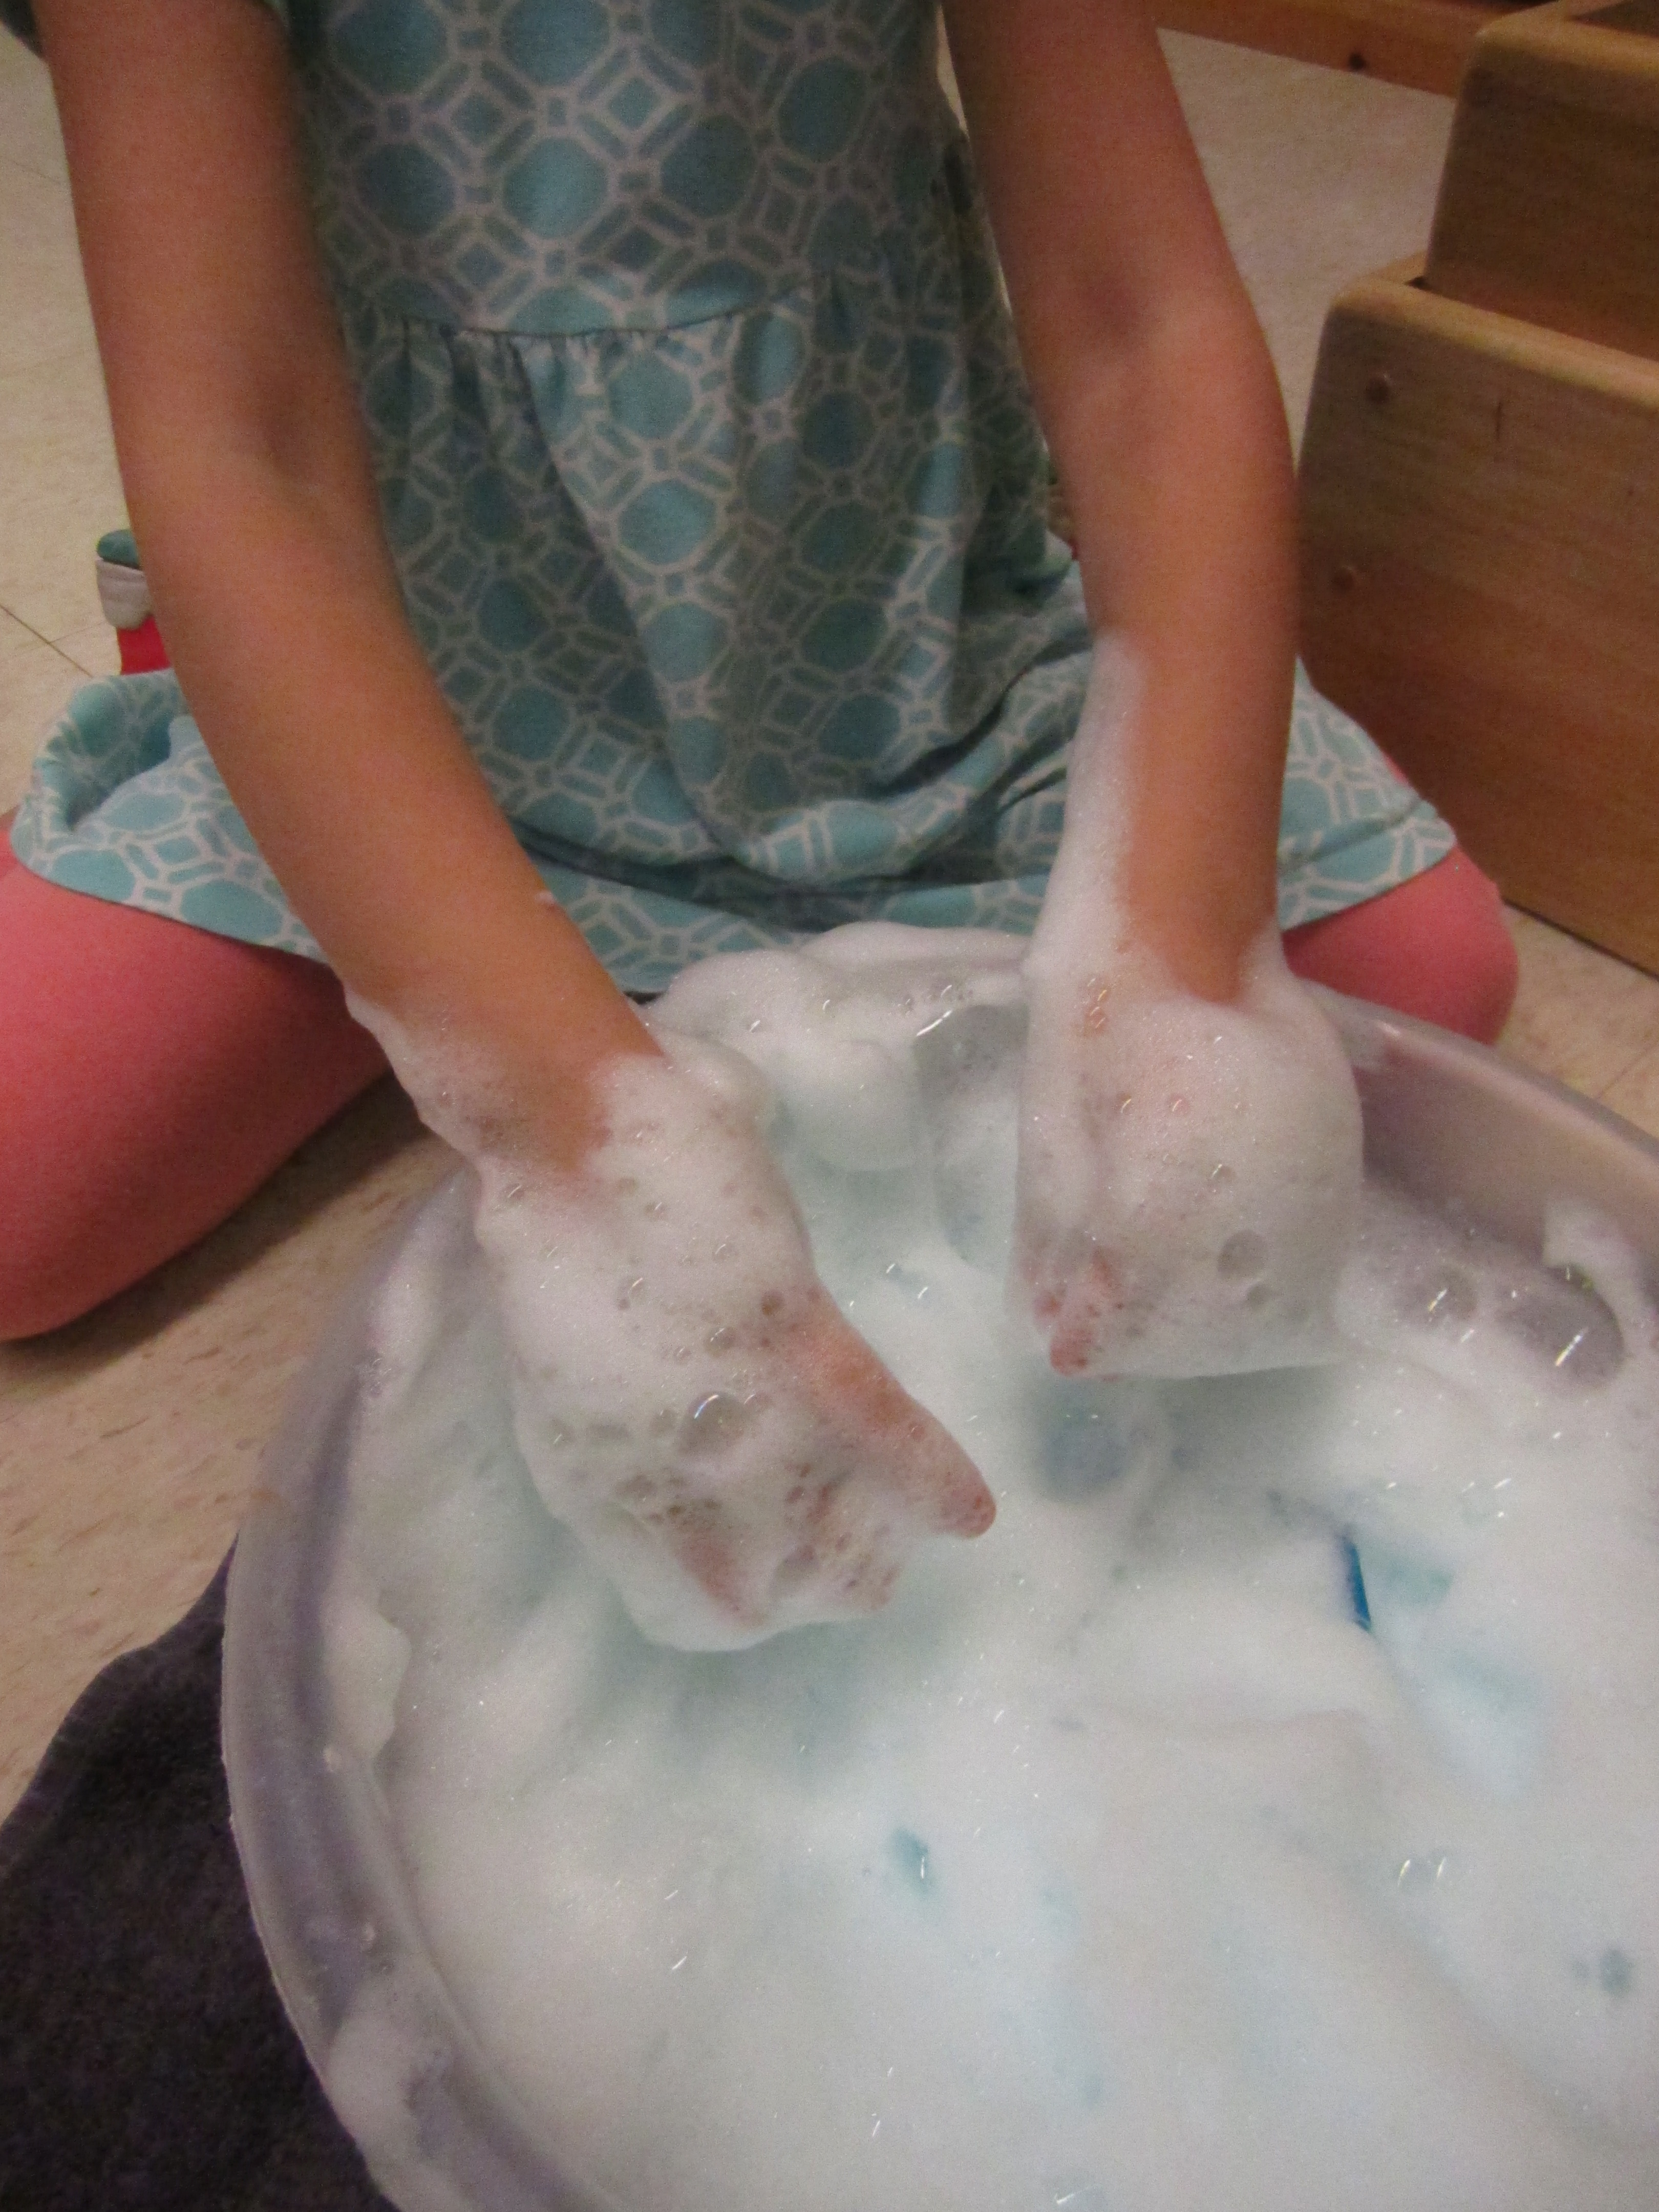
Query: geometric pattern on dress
1351	826
127	805
712	485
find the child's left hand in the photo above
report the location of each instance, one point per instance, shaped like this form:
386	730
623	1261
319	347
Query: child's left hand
1154	974
1189	1166
1188	1173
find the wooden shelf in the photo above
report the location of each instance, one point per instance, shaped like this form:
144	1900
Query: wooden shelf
1549	207
1481	588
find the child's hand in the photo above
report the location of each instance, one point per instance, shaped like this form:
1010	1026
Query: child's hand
1188	1170
686	1396
1188	1173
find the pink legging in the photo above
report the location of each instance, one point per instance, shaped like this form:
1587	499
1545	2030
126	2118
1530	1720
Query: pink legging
152	1075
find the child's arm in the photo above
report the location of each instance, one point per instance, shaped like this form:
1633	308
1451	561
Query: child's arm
1159	399
248	478
1190	1154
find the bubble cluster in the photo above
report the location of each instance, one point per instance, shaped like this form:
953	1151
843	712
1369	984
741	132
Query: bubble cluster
675	1285
1261	1815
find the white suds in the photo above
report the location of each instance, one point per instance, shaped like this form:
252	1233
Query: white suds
1189	1173
1117	1863
667	1329
686	1397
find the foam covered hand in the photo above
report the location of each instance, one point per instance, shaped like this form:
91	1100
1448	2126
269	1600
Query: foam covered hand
1189	1173
686	1396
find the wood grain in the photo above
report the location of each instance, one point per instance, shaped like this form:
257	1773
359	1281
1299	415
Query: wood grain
1481	588
1549	204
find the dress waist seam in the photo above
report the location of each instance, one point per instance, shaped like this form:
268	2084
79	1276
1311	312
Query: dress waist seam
803	278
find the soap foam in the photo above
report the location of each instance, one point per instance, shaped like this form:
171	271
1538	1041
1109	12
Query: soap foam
662	1311
686	1397
1189	1172
1116	1864
1189	1184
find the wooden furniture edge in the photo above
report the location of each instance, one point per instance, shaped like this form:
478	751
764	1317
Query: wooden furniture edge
1559	60
1423	44
1392	297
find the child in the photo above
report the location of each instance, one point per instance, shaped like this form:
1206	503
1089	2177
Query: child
589	494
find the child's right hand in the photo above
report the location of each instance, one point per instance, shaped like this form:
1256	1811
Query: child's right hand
686	1396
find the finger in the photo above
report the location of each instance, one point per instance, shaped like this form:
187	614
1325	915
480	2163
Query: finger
945	1490
859	1543
919	1458
1086	1319
706	1552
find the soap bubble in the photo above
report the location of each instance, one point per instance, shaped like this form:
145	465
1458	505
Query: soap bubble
1560	1316
713	1425
1245	1254
1449	1295
966	1075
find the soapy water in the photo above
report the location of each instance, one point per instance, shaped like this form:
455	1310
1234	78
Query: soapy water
685	1395
1260	1814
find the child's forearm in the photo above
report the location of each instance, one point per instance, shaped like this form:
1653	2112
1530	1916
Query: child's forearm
1158	396
248	473
1178	469
344	761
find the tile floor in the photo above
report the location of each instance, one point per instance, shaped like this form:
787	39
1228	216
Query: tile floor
129	1444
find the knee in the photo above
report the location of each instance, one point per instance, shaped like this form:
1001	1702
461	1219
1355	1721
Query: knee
48	1275
66	1206
151	1076
29	1314
1437	947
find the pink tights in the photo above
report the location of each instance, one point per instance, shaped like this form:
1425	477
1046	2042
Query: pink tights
152	1076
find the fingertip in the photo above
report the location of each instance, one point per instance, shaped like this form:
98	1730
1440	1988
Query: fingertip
982	1515
970	1508
1069	1354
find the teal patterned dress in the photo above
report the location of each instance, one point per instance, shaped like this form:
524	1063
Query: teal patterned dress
712	485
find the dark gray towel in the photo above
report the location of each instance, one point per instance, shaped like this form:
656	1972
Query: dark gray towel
146	2064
